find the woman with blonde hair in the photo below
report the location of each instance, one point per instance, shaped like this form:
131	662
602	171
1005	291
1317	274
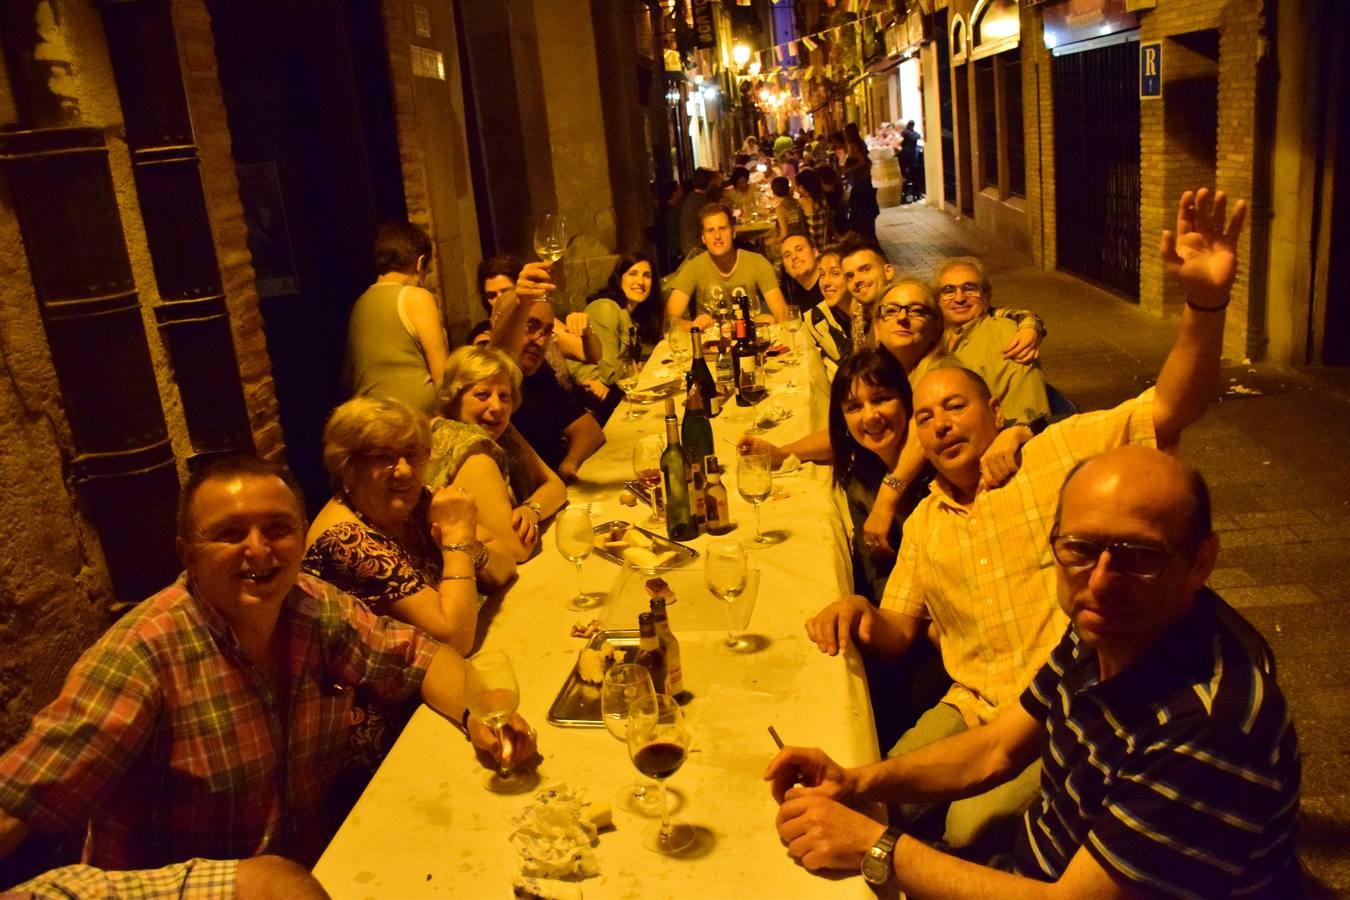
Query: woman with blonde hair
387	540
474	447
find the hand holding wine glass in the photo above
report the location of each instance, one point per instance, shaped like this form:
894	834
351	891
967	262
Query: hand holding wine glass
493	695
658	743
754	481
575	536
623	686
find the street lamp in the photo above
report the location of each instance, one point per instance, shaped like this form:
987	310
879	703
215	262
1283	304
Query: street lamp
740	55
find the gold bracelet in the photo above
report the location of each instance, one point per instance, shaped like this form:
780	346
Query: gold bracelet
896	484
457	577
475	550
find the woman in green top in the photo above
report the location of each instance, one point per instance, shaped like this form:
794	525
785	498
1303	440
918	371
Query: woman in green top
614	311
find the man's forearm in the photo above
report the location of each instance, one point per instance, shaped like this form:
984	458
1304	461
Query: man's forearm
443	684
922	871
584	437
1190	374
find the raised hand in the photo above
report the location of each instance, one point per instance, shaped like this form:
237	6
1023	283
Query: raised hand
1202	253
453	515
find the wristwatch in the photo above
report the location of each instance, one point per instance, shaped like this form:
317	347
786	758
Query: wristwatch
876	864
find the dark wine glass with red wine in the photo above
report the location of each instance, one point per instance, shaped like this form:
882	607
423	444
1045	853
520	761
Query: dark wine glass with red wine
658	742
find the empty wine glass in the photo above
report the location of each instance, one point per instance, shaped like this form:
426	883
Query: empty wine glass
792	324
677	339
493	695
575	536
658	743
754	481
627	380
726	573
647	469
624	685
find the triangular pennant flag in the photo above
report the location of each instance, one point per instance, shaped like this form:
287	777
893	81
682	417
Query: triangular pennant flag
792	48
810	44
778	51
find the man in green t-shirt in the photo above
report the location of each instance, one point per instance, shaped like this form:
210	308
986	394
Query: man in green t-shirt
722	272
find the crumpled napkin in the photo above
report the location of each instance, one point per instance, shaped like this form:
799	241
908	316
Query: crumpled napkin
555	835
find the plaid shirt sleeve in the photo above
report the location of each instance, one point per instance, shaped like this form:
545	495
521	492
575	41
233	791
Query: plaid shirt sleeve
81	744
200	879
375	652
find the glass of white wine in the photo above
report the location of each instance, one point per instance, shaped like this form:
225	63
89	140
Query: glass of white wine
792	324
624	685
627	380
493	697
754	481
726	572
576	538
550	236
658	743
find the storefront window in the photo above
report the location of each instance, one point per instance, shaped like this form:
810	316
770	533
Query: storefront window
996	22
986	98
1011	63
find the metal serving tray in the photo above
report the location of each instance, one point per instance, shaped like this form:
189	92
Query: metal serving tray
660	544
578	703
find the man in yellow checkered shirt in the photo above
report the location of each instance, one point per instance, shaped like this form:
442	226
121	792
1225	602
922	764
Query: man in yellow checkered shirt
975	569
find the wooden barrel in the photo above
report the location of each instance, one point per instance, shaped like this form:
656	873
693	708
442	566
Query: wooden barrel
886	176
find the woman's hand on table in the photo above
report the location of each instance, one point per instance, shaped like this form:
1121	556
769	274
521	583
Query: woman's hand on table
748	444
453	515
525	523
833	627
520	741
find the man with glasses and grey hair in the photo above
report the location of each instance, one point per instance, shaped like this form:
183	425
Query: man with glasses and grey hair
973	563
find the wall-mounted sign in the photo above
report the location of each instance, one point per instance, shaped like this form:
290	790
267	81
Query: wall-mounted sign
1150	71
427	63
1083	20
422	21
705	32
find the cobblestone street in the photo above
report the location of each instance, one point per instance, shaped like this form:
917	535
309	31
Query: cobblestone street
1274	452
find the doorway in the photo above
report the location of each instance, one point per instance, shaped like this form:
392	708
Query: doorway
948	145
1097	165
966	189
310	111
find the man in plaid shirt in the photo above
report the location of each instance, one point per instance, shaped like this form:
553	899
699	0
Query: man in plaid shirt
974	565
210	720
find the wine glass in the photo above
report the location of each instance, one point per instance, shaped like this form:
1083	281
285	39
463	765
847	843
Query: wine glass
793	324
658	743
627	380
677	339
647	469
726	573
575	536
754	481
624	685
493	696
550	236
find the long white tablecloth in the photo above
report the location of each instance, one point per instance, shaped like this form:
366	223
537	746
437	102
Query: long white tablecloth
426	827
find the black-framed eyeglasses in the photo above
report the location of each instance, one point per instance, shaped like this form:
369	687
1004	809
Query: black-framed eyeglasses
1138	560
387	460
968	288
889	312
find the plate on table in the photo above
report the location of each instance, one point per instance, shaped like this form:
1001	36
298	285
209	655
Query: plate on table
628	545
578	703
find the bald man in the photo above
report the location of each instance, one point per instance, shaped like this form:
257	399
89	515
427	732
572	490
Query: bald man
1171	766
973	563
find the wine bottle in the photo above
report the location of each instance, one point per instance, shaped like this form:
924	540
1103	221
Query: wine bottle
717	509
649	654
670	646
745	362
634	348
675	475
702	375
697	436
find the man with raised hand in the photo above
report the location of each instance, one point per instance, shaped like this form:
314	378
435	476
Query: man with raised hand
974	566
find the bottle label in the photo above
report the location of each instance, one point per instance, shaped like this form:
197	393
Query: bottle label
747	363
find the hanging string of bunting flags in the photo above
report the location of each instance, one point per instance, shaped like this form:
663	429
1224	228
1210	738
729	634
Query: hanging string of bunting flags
772	59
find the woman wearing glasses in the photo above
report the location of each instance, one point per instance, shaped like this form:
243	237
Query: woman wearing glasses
475	447
385	539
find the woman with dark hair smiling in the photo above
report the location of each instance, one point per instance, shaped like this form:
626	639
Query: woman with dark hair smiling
614	311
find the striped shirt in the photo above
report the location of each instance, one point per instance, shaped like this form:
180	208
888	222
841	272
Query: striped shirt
983	573
1180	774
169	737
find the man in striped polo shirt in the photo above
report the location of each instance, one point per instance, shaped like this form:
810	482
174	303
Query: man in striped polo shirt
1170	765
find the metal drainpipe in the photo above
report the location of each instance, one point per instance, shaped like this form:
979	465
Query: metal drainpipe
1267	83
60	182
193	318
